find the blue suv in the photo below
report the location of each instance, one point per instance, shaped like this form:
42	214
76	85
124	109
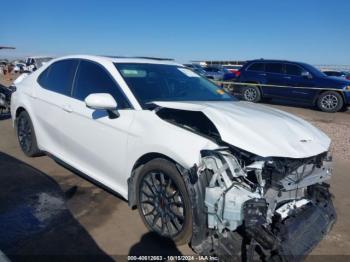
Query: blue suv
295	81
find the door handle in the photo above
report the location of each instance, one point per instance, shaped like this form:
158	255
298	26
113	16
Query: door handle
263	74
287	77
67	108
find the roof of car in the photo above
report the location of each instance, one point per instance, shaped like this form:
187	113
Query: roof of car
273	60
115	59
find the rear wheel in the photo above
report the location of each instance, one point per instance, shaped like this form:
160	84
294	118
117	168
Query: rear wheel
330	102
26	135
251	94
163	201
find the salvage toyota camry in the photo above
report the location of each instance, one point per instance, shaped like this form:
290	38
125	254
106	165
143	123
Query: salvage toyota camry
201	167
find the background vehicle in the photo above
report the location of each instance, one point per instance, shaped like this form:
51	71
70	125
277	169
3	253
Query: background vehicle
234	69
34	62
5	100
295	81
19	68
337	74
197	68
201	167
218	73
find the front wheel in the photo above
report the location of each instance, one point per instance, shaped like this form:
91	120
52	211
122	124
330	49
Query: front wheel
163	201
330	102
251	94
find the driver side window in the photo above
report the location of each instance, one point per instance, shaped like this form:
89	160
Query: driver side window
92	78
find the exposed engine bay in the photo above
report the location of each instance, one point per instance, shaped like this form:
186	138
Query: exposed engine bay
273	187
271	201
280	206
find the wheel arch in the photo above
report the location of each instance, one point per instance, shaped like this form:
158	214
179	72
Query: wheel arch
140	162
327	90
19	110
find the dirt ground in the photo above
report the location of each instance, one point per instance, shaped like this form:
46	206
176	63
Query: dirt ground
117	230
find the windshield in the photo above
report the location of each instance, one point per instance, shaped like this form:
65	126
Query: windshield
158	82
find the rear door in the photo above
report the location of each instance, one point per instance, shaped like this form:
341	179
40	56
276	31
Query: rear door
275	80
297	77
55	85
96	144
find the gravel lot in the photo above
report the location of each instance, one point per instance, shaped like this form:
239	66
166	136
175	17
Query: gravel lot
117	230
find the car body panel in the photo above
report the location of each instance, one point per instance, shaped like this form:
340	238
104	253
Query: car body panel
259	129
217	148
139	132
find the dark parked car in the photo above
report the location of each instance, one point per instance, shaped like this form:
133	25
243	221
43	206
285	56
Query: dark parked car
5	99
337	74
218	73
295	81
196	68
234	69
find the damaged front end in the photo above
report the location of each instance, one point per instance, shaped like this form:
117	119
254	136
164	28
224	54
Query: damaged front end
278	206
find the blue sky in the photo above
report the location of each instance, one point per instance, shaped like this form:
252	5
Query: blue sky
314	31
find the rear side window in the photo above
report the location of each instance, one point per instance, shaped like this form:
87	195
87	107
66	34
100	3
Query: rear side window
58	77
256	67
274	68
293	70
93	78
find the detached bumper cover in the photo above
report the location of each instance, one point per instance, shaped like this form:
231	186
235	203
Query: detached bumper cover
294	237
301	233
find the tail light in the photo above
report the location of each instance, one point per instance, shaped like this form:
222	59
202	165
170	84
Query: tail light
238	73
348	77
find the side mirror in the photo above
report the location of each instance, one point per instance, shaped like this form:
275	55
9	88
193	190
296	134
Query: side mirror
306	74
103	101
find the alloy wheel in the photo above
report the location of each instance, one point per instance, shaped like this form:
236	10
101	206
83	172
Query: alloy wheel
162	204
250	94
329	102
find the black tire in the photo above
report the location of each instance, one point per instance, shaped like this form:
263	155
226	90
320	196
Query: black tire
251	94
26	135
162	197
330	101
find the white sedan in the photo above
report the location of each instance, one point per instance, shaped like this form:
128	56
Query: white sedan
202	167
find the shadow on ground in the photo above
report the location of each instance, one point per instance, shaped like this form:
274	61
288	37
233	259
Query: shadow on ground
152	244
35	223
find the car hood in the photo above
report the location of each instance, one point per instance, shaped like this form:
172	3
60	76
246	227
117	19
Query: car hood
258	129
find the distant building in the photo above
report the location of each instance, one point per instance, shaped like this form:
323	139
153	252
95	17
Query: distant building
219	62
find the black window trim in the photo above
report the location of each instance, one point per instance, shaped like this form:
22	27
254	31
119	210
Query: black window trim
253	63
130	105
48	73
285	68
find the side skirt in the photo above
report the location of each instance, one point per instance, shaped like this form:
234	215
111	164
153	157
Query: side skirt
84	176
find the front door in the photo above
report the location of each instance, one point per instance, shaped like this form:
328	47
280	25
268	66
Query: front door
298	77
